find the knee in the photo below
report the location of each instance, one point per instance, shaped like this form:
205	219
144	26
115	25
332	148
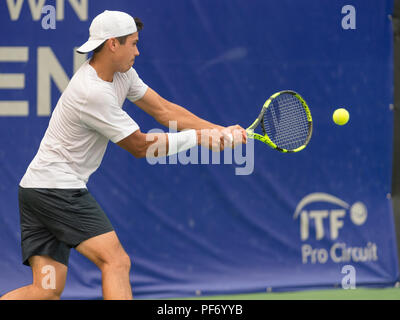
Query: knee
120	262
48	294
53	295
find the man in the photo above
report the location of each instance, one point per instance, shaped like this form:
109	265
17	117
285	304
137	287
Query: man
57	212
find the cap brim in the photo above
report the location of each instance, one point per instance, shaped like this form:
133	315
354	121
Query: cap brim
89	45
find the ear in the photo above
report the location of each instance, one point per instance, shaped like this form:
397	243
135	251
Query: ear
113	44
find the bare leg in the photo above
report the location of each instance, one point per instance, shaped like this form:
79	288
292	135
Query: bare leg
49	278
108	254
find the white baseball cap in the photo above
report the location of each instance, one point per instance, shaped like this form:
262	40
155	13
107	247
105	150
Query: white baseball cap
109	24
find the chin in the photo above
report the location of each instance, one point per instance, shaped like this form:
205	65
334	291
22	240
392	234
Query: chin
126	69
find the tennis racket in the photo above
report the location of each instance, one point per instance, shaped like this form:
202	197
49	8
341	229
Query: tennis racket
285	122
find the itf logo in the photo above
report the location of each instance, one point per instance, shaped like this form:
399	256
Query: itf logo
334	217
323	223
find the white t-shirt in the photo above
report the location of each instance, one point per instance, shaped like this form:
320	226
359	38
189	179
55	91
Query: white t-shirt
88	114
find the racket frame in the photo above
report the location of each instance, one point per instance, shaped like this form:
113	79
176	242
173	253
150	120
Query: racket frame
264	138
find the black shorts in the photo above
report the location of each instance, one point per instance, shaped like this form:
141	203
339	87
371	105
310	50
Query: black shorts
55	220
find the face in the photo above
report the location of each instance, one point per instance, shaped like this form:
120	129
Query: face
126	53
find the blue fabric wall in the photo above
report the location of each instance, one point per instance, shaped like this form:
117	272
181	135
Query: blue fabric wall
201	228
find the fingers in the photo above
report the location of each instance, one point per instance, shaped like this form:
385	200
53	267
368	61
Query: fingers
239	134
244	136
217	139
228	138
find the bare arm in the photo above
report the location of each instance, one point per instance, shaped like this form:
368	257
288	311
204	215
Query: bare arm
138	143
164	111
153	145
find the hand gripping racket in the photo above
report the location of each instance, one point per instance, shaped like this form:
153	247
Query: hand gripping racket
285	121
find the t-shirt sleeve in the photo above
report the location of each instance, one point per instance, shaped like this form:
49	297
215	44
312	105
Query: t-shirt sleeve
103	114
137	87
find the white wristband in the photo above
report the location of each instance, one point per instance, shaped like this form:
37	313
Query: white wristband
181	141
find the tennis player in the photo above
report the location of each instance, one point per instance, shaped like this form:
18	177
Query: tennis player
57	212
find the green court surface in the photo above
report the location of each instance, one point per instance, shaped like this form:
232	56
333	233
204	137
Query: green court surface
333	294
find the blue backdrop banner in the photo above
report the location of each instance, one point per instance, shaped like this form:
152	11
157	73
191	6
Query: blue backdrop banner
196	224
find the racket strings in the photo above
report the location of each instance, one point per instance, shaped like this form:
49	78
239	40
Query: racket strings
285	122
287	132
288	129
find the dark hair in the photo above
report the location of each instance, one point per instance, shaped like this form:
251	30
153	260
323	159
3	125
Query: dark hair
121	40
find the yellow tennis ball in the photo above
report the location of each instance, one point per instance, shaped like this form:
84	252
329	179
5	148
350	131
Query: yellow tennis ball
341	116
